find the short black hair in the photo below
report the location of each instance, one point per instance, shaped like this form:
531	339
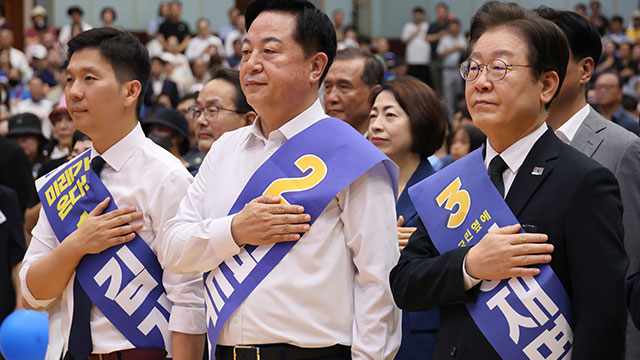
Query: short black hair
423	107
314	30
233	77
372	71
417	9
193	95
127	56
583	37
548	49
617	18
79	136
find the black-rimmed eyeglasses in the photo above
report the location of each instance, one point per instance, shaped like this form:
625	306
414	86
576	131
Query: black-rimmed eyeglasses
210	112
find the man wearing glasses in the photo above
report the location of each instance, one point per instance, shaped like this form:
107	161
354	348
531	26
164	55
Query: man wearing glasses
221	106
568	204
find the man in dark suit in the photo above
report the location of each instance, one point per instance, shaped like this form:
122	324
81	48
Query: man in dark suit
12	248
576	123
159	84
15	172
569	203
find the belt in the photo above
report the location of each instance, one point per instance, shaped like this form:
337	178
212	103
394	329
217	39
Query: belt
132	354
279	352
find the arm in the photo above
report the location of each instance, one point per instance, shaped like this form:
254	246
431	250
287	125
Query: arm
369	224
408	35
187	346
597	264
47	276
185	43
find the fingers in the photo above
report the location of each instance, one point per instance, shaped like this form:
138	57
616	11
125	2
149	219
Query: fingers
524	238
267	199
400	221
125	230
525	260
510	229
285	209
522	272
529	248
291	219
288	229
124	218
402	244
99	209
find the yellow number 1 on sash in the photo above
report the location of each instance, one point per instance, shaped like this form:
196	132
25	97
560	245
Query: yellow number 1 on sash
304	163
454	196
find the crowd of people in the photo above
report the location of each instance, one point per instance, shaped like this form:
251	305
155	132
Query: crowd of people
179	123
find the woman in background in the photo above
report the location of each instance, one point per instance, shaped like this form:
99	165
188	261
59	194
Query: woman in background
408	124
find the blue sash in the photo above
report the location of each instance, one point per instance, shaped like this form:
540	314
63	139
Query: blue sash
124	281
309	169
523	318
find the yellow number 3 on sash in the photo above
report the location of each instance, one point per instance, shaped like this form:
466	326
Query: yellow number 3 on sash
304	163
454	196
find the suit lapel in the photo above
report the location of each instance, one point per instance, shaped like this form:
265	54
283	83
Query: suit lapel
588	137
527	180
404	206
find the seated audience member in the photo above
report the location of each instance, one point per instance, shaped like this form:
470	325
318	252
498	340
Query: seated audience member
17	58
461	118
159	83
616	31
203	40
441	158
108	16
464	140
36	104
5	109
609	100
193	156
40	20
408	124
201	74
79	143
610	60
234	58
63	129
174	26
68	31
168	128
26	130
221	107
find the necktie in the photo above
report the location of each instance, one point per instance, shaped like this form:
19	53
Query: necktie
80	343
497	166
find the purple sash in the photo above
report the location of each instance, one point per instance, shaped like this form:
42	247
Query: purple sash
309	169
124	281
522	318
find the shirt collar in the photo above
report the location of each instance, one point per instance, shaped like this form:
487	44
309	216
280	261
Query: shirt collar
515	154
308	117
568	130
118	154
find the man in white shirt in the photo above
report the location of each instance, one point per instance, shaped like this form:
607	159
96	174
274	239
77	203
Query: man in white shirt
17	58
106	70
576	123
568	204
418	49
66	32
329	296
36	104
202	41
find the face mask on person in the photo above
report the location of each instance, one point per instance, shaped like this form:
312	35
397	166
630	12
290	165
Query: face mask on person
13	82
40	25
164	141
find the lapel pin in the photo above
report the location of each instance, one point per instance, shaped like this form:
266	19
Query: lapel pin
537	171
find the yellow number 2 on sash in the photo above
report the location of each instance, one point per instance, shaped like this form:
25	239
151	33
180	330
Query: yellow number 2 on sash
454	196
304	163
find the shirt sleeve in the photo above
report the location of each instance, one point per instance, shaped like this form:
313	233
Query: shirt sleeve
43	242
185	292
192	242
369	219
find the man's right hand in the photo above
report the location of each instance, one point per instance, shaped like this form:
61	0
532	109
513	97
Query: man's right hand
101	231
504	253
265	220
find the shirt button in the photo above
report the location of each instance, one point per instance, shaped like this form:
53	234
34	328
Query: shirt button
453	351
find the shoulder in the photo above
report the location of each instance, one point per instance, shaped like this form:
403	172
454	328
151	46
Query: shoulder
156	162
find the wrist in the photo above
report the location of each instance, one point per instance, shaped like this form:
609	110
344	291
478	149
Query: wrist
234	232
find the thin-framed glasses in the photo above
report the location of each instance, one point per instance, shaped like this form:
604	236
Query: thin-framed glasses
210	112
496	69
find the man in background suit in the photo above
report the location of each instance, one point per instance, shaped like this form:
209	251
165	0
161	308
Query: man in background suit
576	123
570	204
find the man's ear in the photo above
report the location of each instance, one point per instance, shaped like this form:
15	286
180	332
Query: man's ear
133	89
587	67
550	83
318	63
249	118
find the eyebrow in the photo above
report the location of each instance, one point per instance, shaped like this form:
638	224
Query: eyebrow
265	40
88	68
495	54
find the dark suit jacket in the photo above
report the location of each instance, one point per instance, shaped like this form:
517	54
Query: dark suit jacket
168	87
12	247
419	329
15	172
576	202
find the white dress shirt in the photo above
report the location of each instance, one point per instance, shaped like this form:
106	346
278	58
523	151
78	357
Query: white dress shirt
418	50
568	130
137	173
198	45
332	287
513	156
41	109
